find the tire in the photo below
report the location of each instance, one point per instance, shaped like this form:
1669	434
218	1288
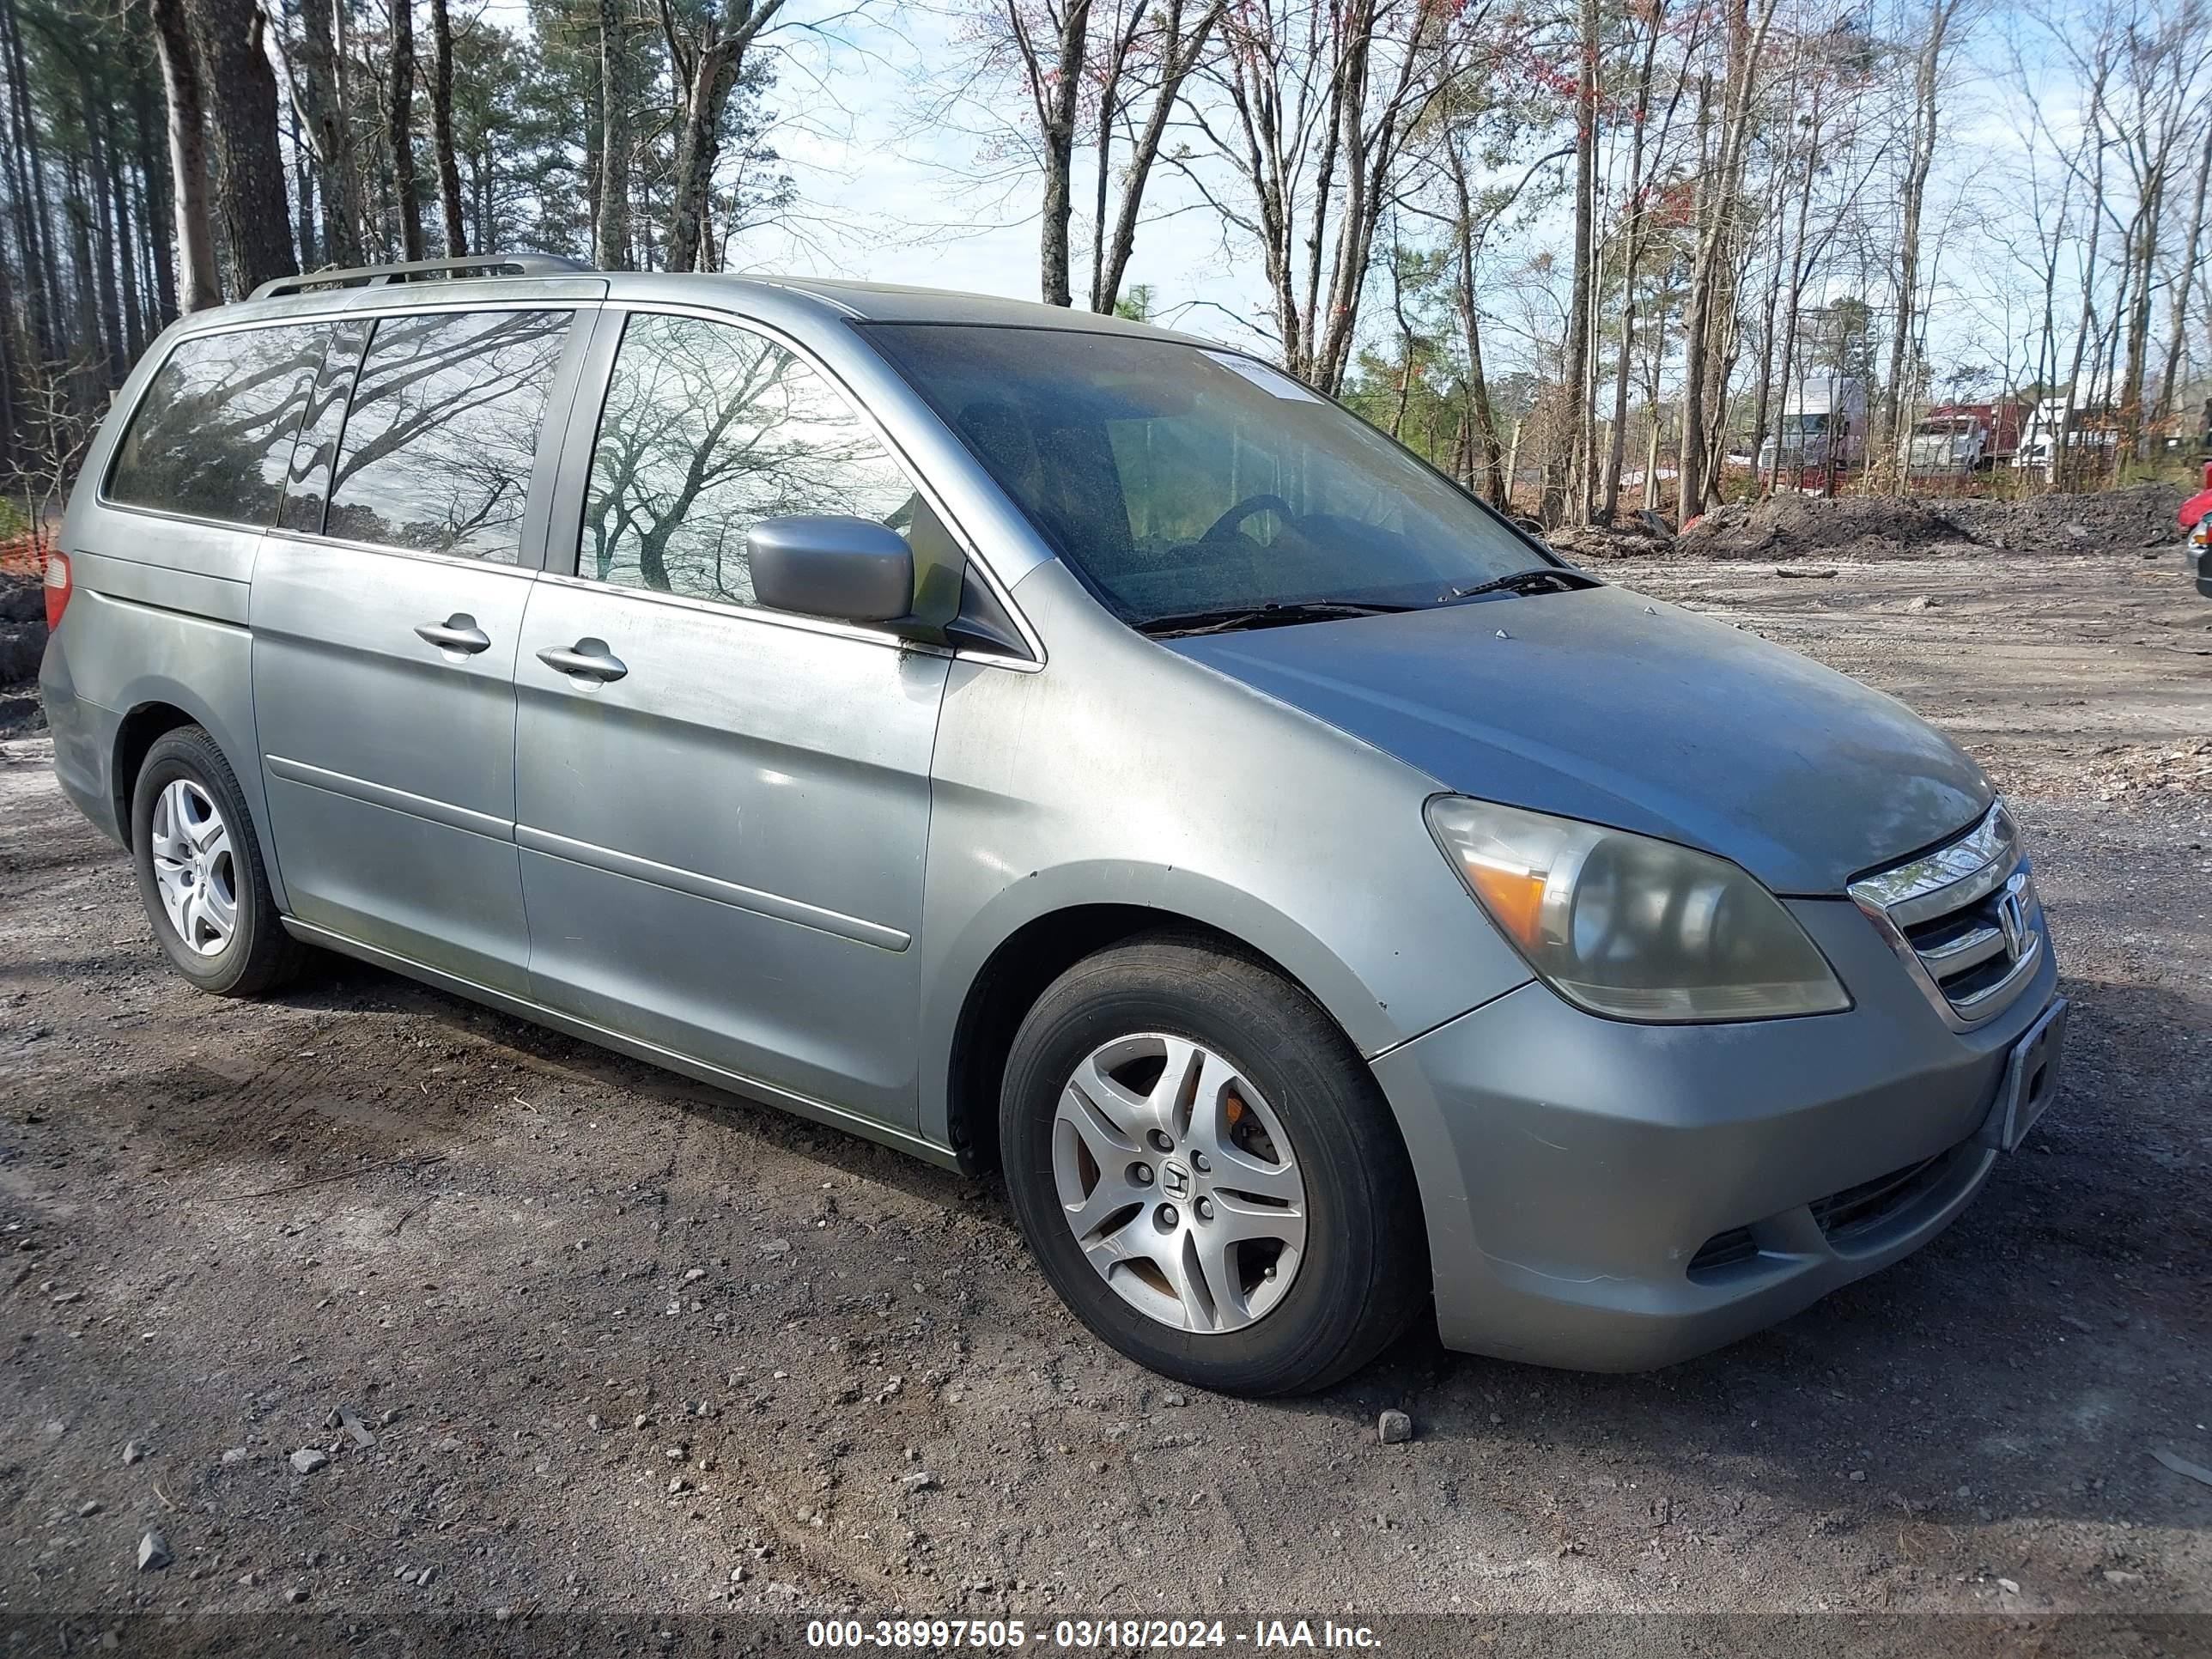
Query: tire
242	949
1175	1298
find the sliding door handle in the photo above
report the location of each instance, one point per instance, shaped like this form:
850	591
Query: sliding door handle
459	632
586	660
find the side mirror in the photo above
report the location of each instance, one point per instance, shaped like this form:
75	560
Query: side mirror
827	565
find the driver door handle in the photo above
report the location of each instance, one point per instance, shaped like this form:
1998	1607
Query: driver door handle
586	660
459	632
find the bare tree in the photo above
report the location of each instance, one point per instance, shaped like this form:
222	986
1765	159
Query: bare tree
240	87
442	127
1581	306
1920	155
399	129
2185	266
707	57
1637	212
610	221
318	104
1174	46
199	287
1050	37
1311	104
1720	185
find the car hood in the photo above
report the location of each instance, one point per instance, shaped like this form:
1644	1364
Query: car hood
1605	706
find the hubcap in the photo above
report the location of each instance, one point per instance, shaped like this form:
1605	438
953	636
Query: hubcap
1178	1182
193	867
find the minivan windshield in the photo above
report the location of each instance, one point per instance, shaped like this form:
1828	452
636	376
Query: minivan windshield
1186	482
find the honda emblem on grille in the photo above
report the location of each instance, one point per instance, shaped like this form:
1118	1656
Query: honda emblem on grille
2012	917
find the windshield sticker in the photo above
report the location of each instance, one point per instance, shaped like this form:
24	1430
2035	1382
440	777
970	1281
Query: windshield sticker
1272	382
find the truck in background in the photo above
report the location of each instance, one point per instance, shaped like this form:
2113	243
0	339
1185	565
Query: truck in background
1957	439
1822	432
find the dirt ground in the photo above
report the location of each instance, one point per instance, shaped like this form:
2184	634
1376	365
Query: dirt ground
569	1335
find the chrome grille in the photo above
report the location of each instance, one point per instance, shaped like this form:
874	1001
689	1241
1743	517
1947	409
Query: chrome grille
1964	919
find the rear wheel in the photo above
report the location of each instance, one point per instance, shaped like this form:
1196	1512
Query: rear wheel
200	874
1207	1172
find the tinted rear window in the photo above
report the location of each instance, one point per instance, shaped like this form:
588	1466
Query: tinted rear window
443	430
213	436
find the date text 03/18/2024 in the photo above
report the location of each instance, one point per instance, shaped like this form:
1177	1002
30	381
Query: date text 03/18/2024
1078	1635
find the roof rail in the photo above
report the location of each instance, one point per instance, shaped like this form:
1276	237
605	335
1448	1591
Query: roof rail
487	264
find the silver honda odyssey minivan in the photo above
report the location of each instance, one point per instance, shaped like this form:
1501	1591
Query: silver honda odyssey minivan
1030	739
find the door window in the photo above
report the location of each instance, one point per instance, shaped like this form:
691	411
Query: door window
213	436
710	429
442	432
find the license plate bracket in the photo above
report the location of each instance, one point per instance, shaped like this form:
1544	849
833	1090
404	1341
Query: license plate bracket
2030	1083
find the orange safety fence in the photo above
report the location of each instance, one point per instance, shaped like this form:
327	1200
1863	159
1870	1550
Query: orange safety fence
25	554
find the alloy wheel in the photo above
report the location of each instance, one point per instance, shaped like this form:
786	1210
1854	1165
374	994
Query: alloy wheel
1178	1182
193	868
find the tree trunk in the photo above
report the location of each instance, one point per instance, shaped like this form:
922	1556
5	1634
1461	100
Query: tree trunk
153	202
1057	99
1700	402
328	135
42	301
1581	306
114	356
696	150
1895	403
611	224
715	58
240	86
400	129
197	283
2178	314
1631	252
1689	476
126	242
1180	57
303	194
2144	258
2064	437
442	128
1482	418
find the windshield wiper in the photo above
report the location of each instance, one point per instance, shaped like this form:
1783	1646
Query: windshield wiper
1537	579
1232	618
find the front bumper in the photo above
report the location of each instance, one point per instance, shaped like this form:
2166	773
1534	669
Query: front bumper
1572	1168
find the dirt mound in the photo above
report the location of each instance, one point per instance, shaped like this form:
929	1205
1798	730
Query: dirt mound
1787	527
1629	540
2110	521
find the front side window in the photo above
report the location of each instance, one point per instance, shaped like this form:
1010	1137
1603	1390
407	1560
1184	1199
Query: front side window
707	429
442	432
1178	479
214	434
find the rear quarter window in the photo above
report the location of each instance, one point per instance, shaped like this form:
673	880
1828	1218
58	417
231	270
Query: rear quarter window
213	436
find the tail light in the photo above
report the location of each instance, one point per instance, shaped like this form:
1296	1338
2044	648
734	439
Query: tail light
58	589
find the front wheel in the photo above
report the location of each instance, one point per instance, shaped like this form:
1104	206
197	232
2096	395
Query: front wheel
1207	1172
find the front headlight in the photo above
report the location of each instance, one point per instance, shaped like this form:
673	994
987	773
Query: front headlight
1633	927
